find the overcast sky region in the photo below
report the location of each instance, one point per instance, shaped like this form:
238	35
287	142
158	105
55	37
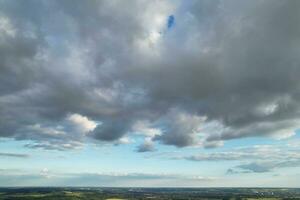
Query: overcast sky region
154	93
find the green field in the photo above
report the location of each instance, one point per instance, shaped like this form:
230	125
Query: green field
148	193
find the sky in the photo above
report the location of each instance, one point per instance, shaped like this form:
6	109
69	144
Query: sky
140	93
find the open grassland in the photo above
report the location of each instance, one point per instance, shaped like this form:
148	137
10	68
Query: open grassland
148	193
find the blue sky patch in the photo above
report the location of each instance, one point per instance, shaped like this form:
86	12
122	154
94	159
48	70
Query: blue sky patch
171	21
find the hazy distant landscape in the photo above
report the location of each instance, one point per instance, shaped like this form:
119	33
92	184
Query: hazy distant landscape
149	193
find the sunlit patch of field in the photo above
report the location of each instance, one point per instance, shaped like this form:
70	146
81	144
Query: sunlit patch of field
271	198
115	199
29	195
73	194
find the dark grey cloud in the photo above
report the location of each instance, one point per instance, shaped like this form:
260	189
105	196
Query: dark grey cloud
111	130
225	70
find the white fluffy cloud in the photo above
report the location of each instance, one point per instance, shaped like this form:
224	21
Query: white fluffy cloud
144	128
82	123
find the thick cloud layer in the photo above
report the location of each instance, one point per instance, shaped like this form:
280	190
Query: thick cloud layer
198	72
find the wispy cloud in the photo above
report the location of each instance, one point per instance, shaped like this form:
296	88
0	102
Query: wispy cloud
15	155
258	158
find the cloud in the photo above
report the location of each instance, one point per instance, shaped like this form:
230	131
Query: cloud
268	166
147	146
111	130
69	134
45	173
257	167
73	70
258	158
15	155
60	145
124	140
256	152
144	128
83	123
182	129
